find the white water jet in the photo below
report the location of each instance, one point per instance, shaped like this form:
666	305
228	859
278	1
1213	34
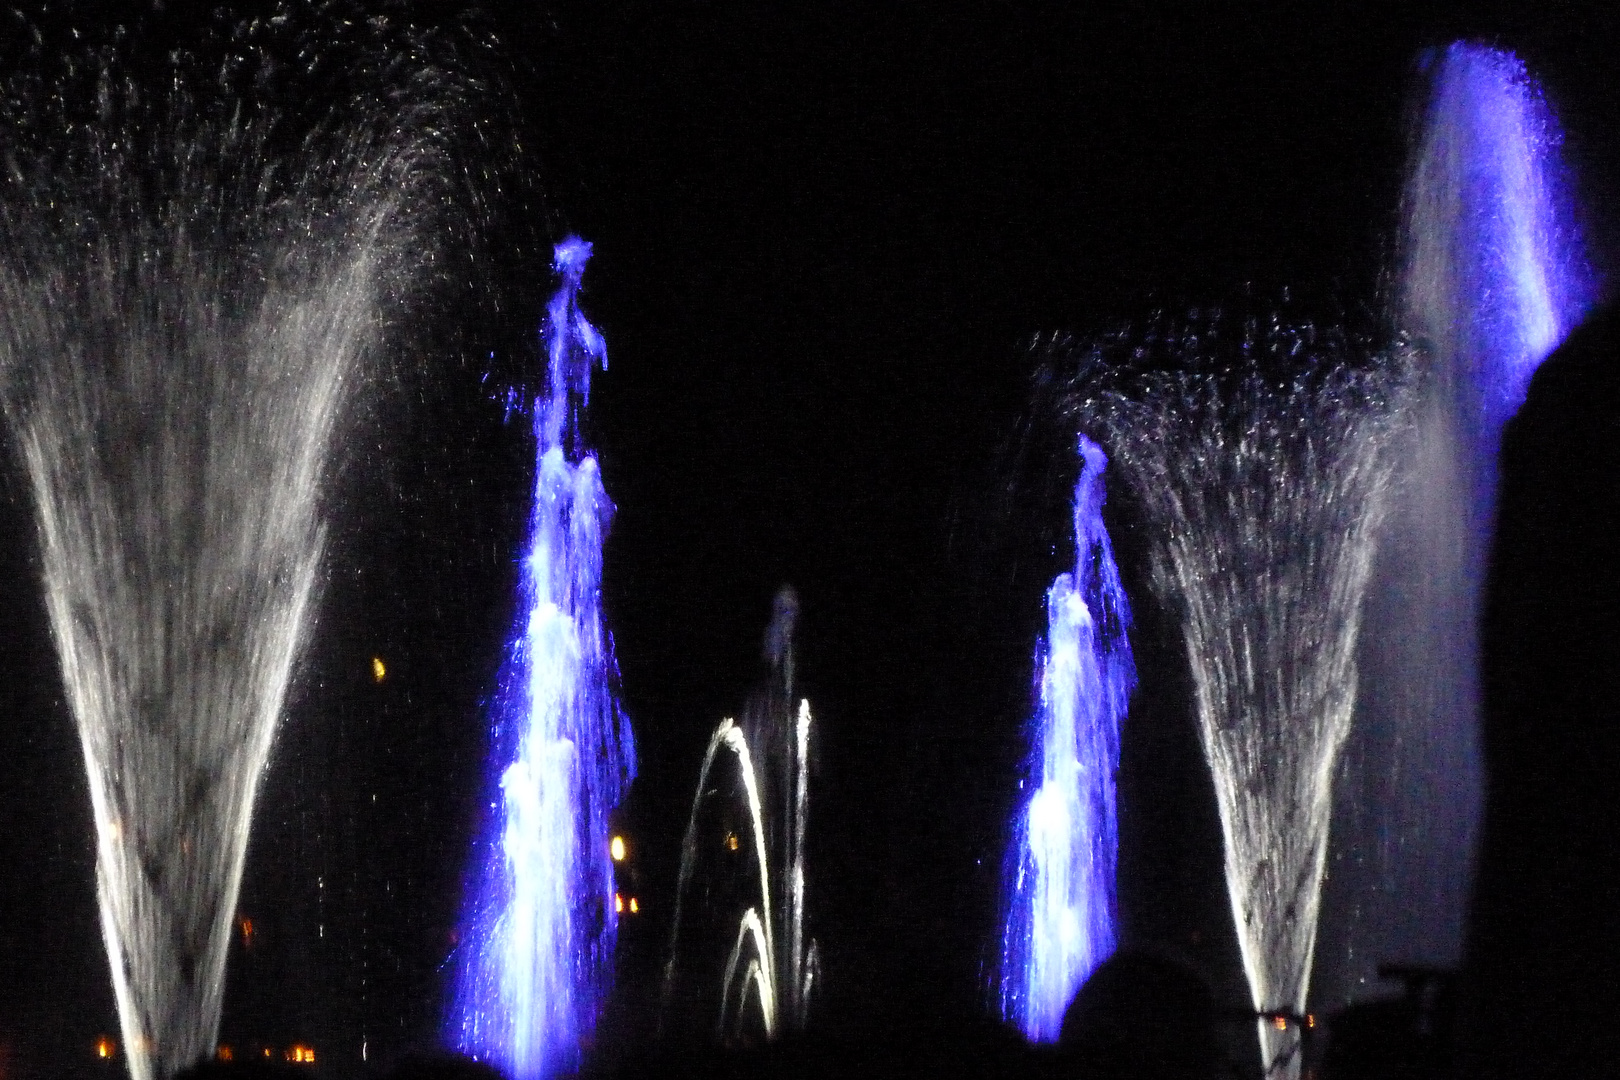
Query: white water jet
190	285
772	757
1259	452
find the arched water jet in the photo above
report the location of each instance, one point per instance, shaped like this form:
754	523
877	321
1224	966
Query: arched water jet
776	796
193	275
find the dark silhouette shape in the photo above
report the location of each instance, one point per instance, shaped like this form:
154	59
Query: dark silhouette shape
1542	972
1143	1014
1410	1035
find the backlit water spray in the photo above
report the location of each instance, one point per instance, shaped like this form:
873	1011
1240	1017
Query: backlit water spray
191	281
1060	902
1258	450
536	959
770	967
1491	279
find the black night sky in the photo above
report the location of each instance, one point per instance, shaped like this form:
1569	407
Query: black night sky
825	235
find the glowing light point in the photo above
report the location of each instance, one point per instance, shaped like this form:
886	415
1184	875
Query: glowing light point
616	849
379	670
106	1049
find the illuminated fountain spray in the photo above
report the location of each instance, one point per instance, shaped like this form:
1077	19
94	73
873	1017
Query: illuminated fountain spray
1259	451
537	955
1491	280
184	310
1060	904
771	967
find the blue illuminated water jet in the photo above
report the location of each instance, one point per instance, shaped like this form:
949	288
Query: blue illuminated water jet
1061	865
536	959
1491	279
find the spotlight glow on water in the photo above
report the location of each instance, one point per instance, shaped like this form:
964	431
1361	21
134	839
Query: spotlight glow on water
1060	903
537	959
1492	278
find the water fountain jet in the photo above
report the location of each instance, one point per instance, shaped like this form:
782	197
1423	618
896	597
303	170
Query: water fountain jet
1061	864
771	751
192	278
538	951
1258	450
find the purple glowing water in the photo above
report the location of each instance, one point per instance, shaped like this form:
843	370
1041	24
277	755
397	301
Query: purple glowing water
1491	280
1060	887
538	952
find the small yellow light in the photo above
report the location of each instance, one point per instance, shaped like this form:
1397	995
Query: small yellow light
1280	1023
618	902
224	1052
616	849
105	1047
379	671
731	841
1310	1020
634	907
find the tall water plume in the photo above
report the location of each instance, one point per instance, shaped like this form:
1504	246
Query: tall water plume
194	271
769	962
537	955
1061	865
1490	280
1258	450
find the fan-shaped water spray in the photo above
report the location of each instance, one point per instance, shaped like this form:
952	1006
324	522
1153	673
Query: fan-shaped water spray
537	955
1259	451
192	275
770	963
1060	902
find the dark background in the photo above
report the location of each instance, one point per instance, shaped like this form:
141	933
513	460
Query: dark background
825	236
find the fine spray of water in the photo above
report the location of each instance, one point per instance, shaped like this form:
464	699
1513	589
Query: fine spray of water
537	958
1490	280
771	967
1061	866
191	283
1258	451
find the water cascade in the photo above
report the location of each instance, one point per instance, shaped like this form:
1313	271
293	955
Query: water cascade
1491	279
770	964
192	277
1259	453
536	958
1060	904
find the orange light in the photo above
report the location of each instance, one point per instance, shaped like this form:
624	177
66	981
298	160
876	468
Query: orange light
379	670
106	1048
618	902
1280	1023
224	1052
616	849
1310	1020
267	1051
303	1055
634	907
731	841
246	925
